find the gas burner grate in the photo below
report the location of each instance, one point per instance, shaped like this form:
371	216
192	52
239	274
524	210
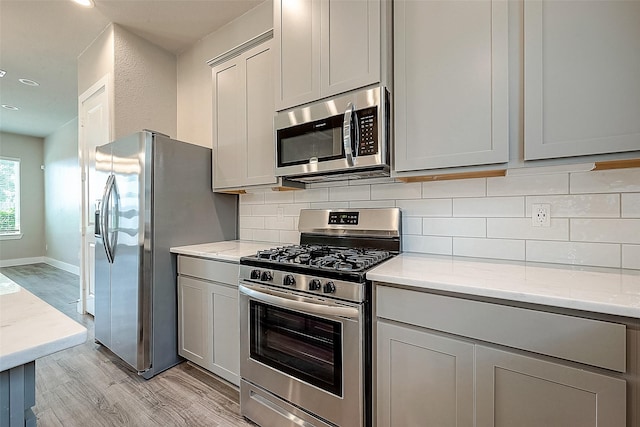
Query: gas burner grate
325	257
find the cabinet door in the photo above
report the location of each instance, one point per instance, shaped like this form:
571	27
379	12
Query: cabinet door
451	83
515	390
229	167
350	45
225	332
296	33
259	112
424	379
193	336
581	77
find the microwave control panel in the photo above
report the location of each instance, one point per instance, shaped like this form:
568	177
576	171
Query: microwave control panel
368	126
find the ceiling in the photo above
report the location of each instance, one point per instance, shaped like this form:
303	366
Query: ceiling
40	40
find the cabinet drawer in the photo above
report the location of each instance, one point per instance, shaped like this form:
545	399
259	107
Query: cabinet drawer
217	271
592	342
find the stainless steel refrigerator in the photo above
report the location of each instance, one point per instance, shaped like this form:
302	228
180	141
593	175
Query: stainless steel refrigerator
157	195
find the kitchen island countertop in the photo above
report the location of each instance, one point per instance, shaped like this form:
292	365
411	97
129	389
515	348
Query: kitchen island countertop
600	290
230	250
30	328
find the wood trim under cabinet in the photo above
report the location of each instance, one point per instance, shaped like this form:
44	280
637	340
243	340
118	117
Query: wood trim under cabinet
617	164
459	175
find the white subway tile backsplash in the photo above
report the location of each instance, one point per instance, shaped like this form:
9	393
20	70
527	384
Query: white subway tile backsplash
427	244
530	184
244	210
264	210
522	228
329	205
459	227
294	209
267	235
607	181
595	216
252	198
372	204
289	237
396	191
584	205
489	248
593	254
475	187
631	205
606	230
275	223
354	192
251	222
501	207
411	225
278	197
246	234
311	195
425	207
631	256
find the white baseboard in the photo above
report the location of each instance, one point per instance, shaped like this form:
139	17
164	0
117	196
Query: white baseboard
63	266
20	261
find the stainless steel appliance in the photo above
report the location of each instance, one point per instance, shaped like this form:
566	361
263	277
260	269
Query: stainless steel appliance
305	320
157	195
346	136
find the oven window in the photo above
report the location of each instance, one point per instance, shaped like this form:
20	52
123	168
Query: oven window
303	346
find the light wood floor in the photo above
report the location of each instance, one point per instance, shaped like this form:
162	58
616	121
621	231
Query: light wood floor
89	386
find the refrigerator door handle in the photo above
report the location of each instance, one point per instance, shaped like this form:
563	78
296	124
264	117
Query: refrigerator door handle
104	217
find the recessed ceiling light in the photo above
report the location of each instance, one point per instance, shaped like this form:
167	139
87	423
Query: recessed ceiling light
10	107
2	73
29	82
84	3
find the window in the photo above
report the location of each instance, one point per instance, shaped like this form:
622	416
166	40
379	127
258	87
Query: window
9	196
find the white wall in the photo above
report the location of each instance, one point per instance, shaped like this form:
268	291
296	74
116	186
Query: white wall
145	91
62	198
194	75
30	248
595	216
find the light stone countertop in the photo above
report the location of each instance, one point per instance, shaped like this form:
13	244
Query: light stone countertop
600	290
230	250
30	328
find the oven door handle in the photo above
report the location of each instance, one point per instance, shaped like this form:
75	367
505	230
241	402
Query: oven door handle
301	304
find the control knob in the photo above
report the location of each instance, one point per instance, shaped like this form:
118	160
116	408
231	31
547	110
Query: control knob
314	285
289	280
329	287
266	276
255	275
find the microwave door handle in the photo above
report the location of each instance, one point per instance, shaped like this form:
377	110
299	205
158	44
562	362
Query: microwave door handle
350	122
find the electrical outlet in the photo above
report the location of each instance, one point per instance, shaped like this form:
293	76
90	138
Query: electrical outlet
541	215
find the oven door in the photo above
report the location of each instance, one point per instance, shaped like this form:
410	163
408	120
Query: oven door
303	350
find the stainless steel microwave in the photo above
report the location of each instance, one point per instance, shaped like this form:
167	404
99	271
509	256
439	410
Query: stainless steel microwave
342	137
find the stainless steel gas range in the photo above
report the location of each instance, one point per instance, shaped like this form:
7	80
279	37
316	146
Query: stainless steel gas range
305	320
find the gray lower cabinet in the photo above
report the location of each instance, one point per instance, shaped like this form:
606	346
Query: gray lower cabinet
423	378
208	322
516	390
448	361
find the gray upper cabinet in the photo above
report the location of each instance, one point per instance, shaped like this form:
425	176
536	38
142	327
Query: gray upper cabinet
581	77
327	47
243	109
450	83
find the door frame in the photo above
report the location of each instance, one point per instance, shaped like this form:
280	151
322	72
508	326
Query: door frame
104	83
